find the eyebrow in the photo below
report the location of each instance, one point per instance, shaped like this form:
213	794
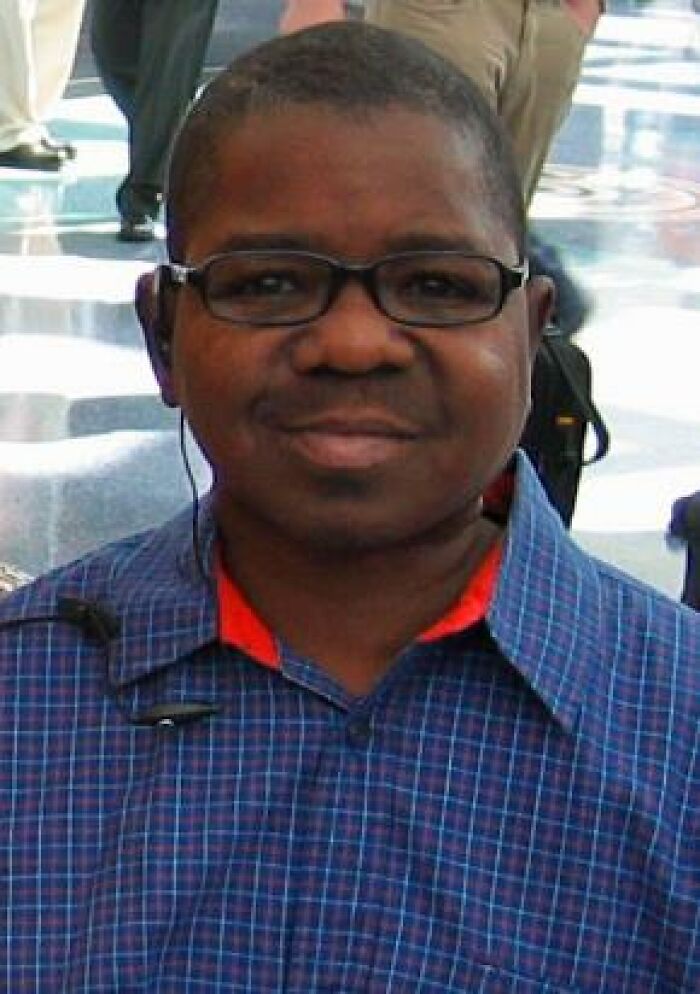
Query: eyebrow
408	242
264	240
429	241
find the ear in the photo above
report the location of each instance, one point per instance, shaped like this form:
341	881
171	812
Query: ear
540	306
154	309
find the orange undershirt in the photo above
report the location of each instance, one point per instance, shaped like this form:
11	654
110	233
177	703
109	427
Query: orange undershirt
241	627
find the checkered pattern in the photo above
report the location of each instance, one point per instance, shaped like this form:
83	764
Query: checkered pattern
514	809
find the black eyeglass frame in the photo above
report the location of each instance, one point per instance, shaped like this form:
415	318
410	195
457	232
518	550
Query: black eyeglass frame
511	278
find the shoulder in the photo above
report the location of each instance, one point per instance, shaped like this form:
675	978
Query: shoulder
649	649
93	575
578	589
585	630
128	571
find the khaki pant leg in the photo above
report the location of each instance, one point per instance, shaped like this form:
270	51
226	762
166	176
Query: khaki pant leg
524	54
539	93
478	36
300	14
55	35
37	46
17	85
492	42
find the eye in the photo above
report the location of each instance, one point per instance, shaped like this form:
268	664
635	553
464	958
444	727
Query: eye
439	285
264	283
264	288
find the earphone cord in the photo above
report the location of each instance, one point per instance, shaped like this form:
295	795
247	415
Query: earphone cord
196	546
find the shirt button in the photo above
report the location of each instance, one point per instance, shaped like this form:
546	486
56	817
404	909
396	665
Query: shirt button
359	731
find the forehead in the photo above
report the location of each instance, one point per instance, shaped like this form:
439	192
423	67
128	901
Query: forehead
347	183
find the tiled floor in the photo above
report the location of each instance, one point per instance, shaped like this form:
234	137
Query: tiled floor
88	453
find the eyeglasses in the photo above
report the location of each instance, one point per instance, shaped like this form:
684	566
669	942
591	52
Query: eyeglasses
277	288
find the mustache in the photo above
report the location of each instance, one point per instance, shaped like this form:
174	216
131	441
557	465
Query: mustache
401	402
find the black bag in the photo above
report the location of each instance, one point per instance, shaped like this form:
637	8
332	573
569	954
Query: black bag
562	410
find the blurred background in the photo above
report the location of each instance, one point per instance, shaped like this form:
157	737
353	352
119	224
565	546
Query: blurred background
88	453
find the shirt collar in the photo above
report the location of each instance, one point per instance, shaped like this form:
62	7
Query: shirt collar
241	627
546	616
165	606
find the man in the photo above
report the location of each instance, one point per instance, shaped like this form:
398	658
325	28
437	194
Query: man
37	46
377	725
149	54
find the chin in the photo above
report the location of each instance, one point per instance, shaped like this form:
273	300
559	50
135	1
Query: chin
349	514
346	535
352	533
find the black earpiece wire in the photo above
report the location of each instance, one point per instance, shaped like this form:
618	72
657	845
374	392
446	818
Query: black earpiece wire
196	545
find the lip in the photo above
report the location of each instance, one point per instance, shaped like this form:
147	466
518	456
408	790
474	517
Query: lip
351	442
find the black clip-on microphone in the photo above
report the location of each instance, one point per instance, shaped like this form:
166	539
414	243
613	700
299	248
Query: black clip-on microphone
98	624
93	620
173	715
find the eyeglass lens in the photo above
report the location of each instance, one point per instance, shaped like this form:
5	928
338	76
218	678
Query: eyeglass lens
285	287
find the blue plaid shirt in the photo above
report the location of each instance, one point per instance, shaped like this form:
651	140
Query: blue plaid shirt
513	809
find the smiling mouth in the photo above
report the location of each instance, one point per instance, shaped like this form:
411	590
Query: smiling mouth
353	443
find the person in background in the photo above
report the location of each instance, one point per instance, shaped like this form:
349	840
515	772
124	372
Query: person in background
365	719
37	47
526	56
149	54
684	530
299	14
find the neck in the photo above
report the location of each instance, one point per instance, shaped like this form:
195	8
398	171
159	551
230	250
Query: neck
351	611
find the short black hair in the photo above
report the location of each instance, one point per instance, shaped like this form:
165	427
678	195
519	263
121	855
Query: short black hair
350	67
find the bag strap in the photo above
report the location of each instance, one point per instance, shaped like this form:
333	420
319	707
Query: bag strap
556	344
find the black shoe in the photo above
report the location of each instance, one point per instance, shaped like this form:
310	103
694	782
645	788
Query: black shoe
136	229
33	155
66	149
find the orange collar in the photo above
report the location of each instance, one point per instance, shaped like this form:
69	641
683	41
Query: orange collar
241	627
474	601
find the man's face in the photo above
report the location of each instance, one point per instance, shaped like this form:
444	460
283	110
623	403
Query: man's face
351	431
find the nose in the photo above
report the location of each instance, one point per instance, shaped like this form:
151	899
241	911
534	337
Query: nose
353	337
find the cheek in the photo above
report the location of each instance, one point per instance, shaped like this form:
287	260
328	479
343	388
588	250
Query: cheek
491	383
490	392
214	379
